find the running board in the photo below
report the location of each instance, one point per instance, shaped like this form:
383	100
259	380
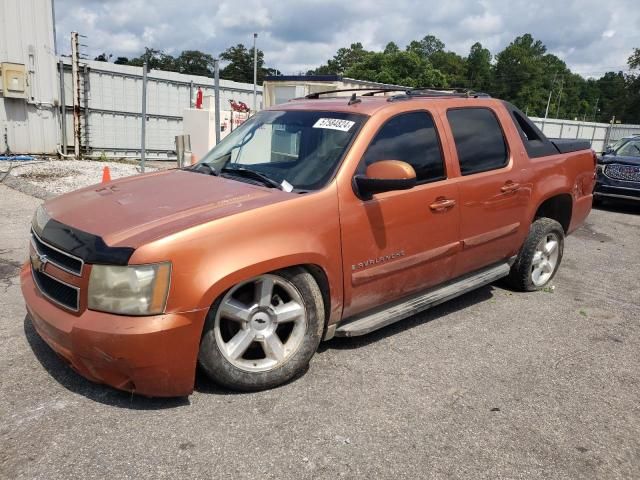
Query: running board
391	313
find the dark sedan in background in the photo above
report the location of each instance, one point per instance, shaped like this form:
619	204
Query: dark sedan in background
619	171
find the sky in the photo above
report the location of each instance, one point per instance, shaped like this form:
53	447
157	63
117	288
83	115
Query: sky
591	36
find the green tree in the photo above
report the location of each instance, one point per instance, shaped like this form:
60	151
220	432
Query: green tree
478	74
613	96
426	47
399	68
344	59
156	60
194	62
634	59
103	57
432	50
240	66
452	66
122	61
632	114
525	74
391	48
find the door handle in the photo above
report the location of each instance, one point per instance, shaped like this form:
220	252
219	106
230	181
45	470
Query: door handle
441	204
510	187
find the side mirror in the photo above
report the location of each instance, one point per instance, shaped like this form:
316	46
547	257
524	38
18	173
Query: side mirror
384	176
608	150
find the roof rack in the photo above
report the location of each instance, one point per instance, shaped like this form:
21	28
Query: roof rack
370	91
407	93
438	92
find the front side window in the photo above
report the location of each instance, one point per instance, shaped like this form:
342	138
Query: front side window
412	138
479	140
301	148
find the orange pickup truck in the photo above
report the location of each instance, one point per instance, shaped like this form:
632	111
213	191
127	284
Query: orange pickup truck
327	216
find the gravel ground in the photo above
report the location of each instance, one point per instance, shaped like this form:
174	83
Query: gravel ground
61	176
494	384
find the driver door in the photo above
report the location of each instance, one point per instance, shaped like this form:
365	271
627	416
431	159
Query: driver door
400	242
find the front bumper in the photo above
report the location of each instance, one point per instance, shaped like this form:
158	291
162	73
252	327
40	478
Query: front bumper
152	356
610	188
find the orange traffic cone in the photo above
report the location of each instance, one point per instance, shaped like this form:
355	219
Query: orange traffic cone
106	175
194	159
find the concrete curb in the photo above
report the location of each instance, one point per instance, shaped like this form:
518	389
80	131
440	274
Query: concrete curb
27	188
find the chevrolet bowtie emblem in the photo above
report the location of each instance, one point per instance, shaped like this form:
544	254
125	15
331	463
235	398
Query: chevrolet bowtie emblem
39	262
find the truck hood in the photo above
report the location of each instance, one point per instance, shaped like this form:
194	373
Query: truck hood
134	210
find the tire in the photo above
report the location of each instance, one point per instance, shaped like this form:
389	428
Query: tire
534	267
255	338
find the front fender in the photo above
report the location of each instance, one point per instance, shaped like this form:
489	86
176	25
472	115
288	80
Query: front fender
220	285
208	259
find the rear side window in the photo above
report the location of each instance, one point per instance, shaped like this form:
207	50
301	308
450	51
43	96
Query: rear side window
412	138
479	140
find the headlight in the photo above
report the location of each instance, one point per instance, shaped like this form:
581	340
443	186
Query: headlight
40	219
129	290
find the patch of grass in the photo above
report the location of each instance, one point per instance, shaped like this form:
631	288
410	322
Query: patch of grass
583	313
549	289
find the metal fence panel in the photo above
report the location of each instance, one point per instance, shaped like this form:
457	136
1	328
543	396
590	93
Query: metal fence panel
599	134
114	105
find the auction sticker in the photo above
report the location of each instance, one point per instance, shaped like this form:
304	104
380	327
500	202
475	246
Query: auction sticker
334	124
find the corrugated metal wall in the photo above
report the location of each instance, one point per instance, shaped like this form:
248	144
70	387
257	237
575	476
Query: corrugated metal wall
111	104
26	37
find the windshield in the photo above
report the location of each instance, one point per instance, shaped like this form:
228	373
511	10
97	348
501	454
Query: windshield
619	143
298	148
630	149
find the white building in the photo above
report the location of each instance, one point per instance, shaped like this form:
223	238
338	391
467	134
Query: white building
29	88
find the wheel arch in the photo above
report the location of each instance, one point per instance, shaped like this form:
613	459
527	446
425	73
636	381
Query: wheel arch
558	207
314	266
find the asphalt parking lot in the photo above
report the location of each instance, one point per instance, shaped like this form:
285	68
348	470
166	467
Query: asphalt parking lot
494	384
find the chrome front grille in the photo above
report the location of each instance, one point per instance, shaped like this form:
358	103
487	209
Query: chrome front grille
56	290
629	173
63	260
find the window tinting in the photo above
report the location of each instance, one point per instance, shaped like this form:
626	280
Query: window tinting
479	140
412	138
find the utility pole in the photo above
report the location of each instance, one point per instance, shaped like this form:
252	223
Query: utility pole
63	109
143	130
75	82
216	97
595	109
559	98
553	82
255	72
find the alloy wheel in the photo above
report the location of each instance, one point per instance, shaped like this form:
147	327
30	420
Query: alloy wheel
545	259
260	323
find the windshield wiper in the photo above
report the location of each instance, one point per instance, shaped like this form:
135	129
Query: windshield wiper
207	170
245	172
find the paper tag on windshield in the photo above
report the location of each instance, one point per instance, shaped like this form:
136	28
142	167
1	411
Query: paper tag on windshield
286	186
334	124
